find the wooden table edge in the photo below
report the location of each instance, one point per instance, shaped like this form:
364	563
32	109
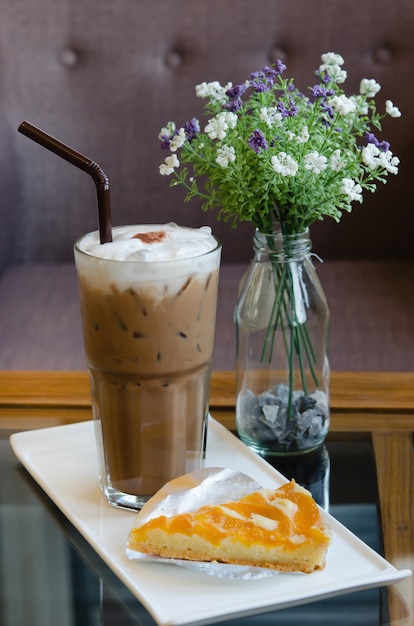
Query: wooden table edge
360	401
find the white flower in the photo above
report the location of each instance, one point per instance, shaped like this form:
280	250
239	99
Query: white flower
213	90
332	58
218	125
335	162
374	158
231	119
271	116
352	189
369	87
304	135
178	140
389	162
302	138
392	110
361	105
336	73
331	63
370	156
315	162
342	104
170	163
284	164
167	131
225	155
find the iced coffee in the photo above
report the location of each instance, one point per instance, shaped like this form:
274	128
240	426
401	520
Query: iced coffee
148	304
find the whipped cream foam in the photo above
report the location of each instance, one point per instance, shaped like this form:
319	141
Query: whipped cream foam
151	242
163	255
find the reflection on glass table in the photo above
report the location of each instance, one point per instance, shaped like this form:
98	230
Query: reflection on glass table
50	574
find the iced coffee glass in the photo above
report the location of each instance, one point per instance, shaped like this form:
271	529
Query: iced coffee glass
148	304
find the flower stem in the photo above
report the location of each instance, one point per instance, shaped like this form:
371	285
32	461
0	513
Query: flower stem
284	318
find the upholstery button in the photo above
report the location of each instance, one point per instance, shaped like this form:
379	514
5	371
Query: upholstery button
173	59
278	54
69	57
383	54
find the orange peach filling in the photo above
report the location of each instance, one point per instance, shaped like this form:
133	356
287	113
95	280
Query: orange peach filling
287	517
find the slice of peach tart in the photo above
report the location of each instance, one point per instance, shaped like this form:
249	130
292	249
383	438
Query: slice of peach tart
280	529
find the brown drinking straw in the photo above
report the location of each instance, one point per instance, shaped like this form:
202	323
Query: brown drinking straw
85	164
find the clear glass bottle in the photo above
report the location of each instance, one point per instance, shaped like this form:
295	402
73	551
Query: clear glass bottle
282	366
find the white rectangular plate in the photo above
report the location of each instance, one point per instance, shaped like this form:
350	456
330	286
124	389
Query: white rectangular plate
63	462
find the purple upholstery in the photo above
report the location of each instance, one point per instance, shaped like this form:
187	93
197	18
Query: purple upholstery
105	76
371	304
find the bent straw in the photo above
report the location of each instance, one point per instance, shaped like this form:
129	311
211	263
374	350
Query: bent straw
85	164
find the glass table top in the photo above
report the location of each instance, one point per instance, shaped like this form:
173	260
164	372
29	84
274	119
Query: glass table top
50	575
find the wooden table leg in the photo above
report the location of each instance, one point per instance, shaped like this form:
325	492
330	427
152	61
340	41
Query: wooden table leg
394	457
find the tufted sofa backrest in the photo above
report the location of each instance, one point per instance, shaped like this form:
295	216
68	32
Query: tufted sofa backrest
106	75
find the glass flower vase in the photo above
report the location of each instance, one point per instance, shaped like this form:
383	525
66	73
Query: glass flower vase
282	366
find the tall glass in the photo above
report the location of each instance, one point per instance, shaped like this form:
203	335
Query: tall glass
148	329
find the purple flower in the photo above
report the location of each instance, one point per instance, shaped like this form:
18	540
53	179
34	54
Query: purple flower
287	111
273	72
191	128
328	110
381	145
260	83
166	135
234	94
165	143
236	91
327	114
384	146
270	72
319	91
323	76
257	141
233	105
166	140
279	66
264	79
370	138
